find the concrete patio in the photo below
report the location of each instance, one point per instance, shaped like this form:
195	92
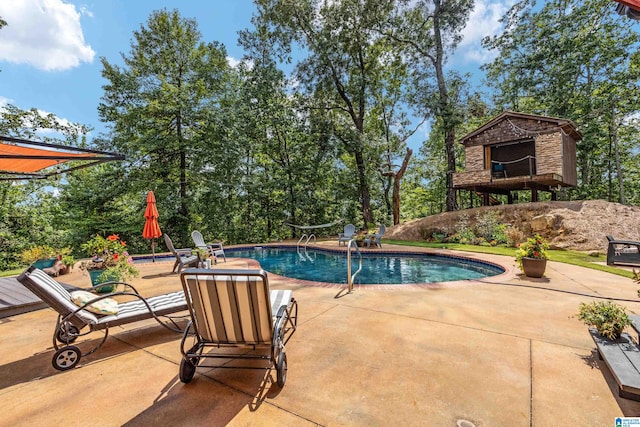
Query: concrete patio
499	352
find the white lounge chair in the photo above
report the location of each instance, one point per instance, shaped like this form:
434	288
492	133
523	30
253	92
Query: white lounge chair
72	318
214	249
235	308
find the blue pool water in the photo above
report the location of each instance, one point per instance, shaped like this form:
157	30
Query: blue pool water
379	268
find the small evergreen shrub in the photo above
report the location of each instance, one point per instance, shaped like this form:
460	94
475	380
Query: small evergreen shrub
607	317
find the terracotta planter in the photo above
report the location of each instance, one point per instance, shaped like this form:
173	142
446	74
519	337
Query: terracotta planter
533	267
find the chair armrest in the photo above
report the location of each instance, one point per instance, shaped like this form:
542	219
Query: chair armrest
215	245
183	251
127	287
624	242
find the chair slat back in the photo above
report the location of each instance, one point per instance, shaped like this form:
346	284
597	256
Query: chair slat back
229	306
349	230
169	243
55	295
198	239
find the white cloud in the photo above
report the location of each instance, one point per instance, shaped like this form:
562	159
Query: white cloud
45	34
483	22
5	101
235	63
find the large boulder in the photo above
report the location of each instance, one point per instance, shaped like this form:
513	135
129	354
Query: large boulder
578	225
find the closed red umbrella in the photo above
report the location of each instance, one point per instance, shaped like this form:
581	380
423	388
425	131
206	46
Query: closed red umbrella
151	227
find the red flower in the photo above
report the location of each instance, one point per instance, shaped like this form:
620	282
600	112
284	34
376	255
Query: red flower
536	254
123	243
113	237
116	257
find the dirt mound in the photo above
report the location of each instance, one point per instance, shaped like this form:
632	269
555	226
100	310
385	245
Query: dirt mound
580	225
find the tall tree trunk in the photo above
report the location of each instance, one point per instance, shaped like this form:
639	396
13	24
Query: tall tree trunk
396	186
365	195
184	213
616	150
445	110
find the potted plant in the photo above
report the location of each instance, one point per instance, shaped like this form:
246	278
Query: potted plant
607	317
202	254
41	256
532	256
110	261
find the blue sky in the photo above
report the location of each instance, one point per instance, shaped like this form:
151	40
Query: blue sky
50	51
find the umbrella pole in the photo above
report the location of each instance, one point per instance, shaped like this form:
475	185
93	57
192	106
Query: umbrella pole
153	250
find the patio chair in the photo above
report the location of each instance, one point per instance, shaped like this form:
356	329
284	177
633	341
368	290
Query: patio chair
184	256
623	252
235	308
214	249
73	317
347	234
375	238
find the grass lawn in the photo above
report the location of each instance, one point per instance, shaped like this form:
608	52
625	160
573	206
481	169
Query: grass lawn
581	259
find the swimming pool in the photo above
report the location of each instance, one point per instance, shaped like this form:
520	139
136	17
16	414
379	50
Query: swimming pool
378	268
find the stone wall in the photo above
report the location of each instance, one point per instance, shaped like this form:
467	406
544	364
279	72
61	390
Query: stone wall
549	153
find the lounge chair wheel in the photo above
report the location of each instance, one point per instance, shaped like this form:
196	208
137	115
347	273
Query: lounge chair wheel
187	369
63	337
66	358
281	369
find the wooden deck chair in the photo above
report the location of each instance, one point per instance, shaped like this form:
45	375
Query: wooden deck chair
74	315
214	249
236	308
184	256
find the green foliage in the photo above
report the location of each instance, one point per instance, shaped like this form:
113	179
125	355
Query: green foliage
577	60
489	227
535	247
34	253
109	254
607	317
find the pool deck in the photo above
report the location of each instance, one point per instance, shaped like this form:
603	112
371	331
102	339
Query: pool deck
503	351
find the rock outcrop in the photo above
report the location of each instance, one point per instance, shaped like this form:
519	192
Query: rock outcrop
578	225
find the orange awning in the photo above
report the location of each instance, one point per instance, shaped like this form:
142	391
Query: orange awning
23	159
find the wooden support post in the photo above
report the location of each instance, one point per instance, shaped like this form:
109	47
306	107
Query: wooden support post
534	195
510	198
554	196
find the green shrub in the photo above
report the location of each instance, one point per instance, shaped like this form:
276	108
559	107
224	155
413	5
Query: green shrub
34	253
608	318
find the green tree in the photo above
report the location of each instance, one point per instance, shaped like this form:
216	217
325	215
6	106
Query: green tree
161	106
344	63
428	31
573	59
29	210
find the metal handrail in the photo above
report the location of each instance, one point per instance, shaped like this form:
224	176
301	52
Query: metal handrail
300	240
351	278
309	237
